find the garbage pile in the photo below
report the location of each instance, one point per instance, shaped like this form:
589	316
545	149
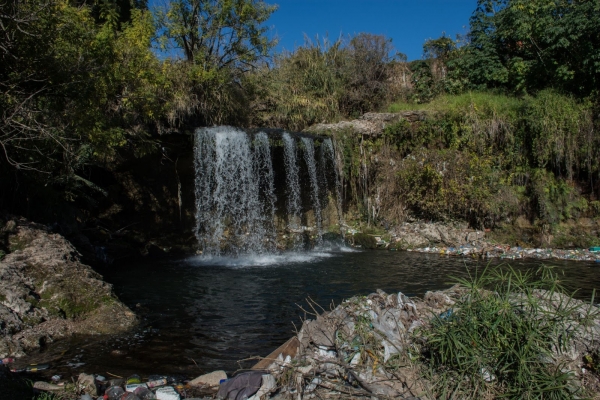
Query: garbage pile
97	387
364	348
514	253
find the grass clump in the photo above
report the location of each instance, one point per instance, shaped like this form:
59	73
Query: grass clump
482	102
505	337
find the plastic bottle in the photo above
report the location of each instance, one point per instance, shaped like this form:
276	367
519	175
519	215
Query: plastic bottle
32	368
129	396
114	392
37	367
144	393
156	383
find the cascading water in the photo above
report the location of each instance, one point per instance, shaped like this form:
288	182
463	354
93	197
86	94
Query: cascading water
292	178
236	193
230	215
327	148
309	157
264	172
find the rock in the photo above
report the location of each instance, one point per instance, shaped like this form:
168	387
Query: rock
369	124
211	379
365	241
46	292
418	235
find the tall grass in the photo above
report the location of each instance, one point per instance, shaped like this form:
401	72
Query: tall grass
484	103
505	336
541	153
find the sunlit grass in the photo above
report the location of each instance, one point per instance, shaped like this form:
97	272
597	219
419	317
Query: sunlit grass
485	103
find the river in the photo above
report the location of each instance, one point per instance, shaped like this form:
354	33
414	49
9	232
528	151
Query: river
201	314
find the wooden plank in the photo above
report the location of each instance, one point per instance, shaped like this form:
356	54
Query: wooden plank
289	348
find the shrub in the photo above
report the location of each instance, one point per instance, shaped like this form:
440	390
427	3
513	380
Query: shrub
501	338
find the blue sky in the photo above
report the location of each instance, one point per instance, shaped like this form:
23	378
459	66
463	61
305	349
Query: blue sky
408	22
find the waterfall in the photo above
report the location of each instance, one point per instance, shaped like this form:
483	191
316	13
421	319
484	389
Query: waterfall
309	158
229	213
327	147
292	178
235	185
264	173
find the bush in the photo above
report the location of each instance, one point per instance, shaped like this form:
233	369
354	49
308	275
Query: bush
502	336
450	184
323	81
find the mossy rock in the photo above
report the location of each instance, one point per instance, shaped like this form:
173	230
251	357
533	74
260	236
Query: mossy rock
365	241
331	236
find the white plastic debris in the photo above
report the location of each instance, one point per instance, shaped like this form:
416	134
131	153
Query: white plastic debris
167	393
487	376
313	385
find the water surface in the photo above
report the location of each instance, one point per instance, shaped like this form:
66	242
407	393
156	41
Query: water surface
201	314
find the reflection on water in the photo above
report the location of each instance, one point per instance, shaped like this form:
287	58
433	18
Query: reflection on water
215	311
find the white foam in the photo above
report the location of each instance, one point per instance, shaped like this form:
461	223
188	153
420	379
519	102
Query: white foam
260	260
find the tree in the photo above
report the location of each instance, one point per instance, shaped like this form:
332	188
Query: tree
366	85
529	45
72	91
217	33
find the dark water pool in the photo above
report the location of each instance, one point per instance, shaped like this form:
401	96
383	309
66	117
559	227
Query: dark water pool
200	315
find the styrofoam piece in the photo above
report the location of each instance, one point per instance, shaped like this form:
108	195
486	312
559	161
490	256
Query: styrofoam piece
167	393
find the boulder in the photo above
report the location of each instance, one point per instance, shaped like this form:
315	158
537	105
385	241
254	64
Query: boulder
211	379
46	292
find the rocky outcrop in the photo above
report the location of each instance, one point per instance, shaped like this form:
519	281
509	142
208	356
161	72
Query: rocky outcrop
370	124
46	292
421	234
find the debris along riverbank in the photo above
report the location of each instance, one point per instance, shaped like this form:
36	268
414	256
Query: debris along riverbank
459	240
515	253
502	333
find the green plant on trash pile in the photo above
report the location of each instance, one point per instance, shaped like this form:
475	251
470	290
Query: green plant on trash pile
502	338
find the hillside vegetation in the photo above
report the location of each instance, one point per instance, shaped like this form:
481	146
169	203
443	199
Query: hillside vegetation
512	127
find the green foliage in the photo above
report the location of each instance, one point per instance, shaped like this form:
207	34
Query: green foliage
556	200
526	45
304	86
439	72
93	95
323	81
82	88
217	33
534	155
501	336
452	184
561	130
365	74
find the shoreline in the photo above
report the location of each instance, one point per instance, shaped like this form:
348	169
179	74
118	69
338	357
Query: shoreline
513	253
